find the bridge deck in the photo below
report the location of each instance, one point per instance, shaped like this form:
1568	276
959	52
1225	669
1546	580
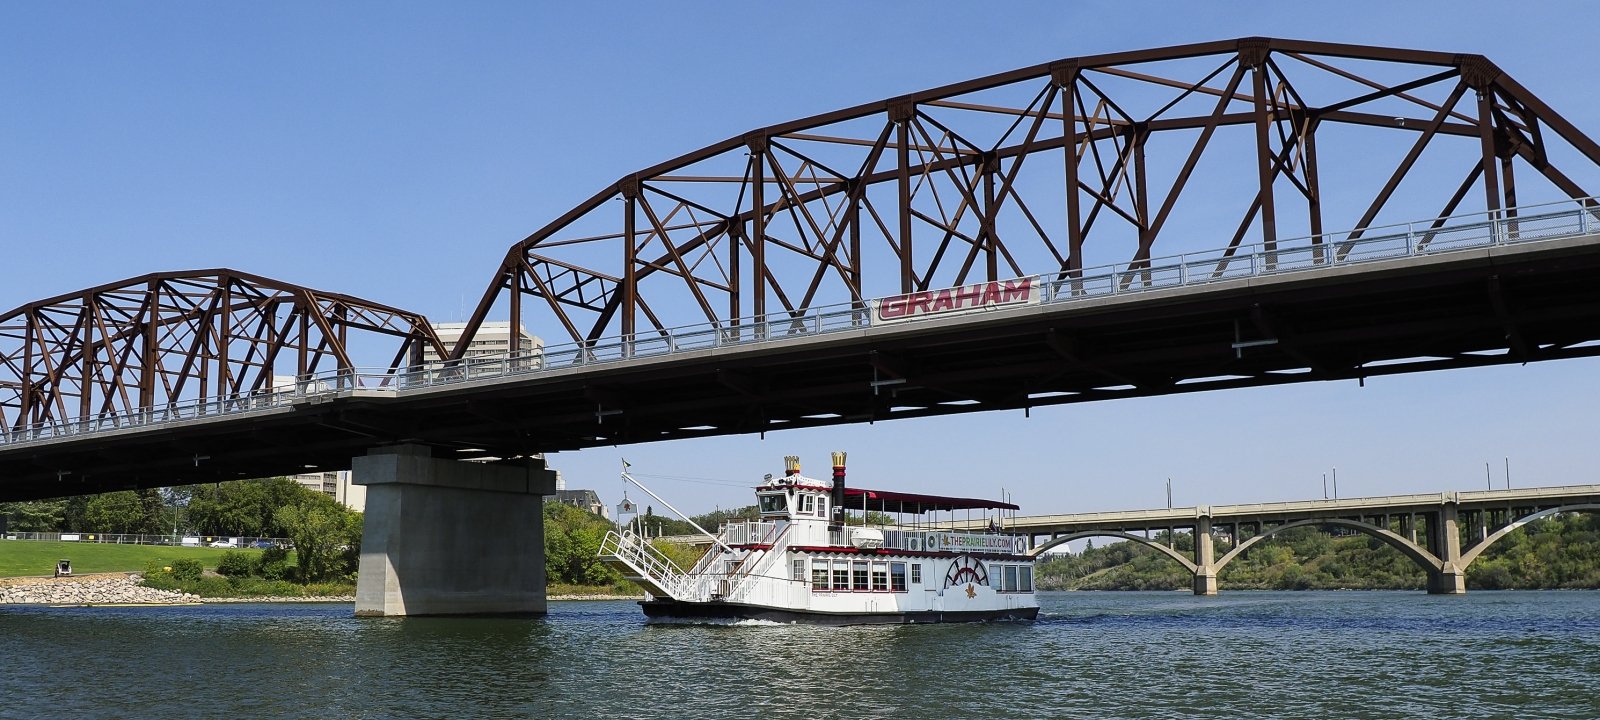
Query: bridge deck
1165	518
1490	304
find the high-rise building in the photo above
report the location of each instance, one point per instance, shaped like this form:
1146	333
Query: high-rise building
492	338
335	484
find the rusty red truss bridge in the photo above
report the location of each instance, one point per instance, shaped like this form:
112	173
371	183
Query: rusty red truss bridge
1207	216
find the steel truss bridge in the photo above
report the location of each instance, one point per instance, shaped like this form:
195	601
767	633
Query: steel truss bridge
741	288
1443	533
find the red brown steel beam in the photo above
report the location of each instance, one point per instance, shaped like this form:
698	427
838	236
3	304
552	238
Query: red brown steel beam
1264	173
1194	157
1228	119
1440	59
683	268
1404	167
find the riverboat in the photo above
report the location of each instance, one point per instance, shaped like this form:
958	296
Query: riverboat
813	557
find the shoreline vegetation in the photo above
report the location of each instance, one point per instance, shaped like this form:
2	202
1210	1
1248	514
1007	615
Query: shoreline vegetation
1560	552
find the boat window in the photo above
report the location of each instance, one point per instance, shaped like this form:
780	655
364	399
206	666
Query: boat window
807	502
1027	578
841	575
822	507
1011	578
897	577
916	573
880	576
774	503
819	574
859	576
798	571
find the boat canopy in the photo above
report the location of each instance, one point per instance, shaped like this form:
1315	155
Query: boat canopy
901	502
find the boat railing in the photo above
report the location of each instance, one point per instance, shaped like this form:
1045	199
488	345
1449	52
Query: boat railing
748	532
652	564
917	540
741	580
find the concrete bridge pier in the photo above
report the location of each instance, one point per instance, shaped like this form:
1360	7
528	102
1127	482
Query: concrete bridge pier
446	537
1445	536
1205	561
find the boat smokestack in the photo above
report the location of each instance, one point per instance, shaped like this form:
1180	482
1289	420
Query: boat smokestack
791	465
838	487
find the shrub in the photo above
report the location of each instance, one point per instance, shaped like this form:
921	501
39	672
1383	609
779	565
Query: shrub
274	554
187	570
281	570
235	564
156	575
210	586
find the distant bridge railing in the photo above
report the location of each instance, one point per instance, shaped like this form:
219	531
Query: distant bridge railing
1310	254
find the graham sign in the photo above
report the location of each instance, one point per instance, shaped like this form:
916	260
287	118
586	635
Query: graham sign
956	300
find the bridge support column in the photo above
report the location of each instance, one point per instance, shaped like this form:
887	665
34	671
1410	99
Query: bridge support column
1205	560
1451	578
445	537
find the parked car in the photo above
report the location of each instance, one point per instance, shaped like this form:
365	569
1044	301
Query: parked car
225	543
262	544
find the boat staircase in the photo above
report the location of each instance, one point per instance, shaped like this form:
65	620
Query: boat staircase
642	563
639	561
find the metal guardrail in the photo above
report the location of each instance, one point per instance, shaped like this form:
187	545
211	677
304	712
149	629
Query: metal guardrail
191	540
651	564
1292	256
1468	498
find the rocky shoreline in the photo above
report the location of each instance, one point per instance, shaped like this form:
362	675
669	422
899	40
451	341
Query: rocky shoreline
124	589
100	589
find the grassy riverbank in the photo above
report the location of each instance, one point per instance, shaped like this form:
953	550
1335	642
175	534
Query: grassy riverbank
38	557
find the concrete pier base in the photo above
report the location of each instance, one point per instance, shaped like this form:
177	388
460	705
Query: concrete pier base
1450	581
1205	558
445	537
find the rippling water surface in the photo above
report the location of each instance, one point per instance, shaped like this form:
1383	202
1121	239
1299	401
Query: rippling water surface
1091	655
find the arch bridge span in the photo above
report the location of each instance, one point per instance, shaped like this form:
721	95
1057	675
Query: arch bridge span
1443	533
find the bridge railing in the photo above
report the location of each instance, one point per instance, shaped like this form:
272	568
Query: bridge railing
1552	221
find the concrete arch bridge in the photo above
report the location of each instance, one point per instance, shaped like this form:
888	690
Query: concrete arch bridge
1443	533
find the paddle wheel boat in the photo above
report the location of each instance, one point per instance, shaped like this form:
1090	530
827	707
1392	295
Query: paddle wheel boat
812	557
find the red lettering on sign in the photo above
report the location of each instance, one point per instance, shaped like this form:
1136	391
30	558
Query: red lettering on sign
1017	289
949	300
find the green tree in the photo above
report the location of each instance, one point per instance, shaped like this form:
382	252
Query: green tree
34	515
245	507
72	513
325	538
572	545
114	512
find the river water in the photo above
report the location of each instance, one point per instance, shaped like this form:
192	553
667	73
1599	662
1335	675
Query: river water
1091	655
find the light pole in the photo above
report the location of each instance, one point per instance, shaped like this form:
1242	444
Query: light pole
1336	483
1169	493
1324	486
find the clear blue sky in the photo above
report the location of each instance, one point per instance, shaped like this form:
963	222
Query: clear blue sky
395	150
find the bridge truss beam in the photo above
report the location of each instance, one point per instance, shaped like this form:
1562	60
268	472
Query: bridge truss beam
121	349
1035	168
